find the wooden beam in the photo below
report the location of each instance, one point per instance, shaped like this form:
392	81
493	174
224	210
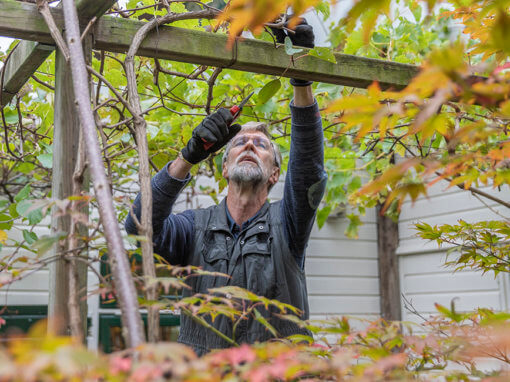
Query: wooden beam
23	62
115	34
29	55
389	281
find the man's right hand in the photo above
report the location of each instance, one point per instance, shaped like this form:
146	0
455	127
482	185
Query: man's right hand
211	135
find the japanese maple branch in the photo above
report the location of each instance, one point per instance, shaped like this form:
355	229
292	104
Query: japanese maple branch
210	83
143	152
477	191
133	329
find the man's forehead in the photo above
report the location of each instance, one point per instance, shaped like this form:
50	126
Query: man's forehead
250	133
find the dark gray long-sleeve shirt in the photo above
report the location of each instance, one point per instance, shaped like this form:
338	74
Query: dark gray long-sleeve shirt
305	183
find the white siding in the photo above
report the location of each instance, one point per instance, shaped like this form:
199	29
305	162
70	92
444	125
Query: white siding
424	280
32	289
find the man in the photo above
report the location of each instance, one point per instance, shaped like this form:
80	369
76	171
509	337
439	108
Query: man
261	246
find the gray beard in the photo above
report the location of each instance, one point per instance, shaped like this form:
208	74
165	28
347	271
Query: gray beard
247	174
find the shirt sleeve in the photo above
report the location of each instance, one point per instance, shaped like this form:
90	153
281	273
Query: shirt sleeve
172	233
305	181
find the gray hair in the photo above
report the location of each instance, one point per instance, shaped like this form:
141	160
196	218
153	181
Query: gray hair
260	127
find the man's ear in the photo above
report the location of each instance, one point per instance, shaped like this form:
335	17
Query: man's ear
224	171
275	175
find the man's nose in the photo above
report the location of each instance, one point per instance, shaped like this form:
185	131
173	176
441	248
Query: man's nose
249	145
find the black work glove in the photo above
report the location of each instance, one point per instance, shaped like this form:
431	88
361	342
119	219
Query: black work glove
211	135
303	36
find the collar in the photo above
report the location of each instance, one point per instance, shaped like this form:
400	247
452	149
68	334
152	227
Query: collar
234	227
224	221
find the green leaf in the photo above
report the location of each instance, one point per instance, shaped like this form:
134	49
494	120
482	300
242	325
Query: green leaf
23	193
355	185
30	237
12	210
152	130
352	229
5	222
289	49
11	116
46	160
261	319
45	243
32	209
116	77
323	53
322	215
331	90
25	168
417	11
268	91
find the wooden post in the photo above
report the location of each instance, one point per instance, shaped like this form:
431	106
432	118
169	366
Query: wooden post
66	136
65	149
389	284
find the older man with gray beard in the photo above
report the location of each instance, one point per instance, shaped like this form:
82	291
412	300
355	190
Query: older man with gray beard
259	245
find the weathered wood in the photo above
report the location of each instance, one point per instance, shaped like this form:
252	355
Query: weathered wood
125	288
116	34
66	135
29	55
389	284
21	65
65	149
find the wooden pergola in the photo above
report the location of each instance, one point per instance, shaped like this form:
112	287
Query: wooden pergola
22	20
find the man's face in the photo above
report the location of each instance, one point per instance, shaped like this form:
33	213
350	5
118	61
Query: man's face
251	160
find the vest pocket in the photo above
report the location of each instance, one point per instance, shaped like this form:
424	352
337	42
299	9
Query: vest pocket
214	259
258	265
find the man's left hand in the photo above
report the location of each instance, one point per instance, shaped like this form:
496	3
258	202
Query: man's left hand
303	36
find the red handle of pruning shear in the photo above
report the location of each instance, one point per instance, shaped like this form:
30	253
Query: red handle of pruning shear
235	111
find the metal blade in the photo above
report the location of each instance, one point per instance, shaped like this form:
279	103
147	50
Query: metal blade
243	102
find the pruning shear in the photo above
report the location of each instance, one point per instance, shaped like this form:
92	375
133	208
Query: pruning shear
235	111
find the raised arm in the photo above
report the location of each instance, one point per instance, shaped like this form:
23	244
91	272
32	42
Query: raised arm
305	181
173	233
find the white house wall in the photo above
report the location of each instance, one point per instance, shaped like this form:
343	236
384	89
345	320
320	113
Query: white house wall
424	280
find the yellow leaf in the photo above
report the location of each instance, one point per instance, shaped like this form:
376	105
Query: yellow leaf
253	14
400	150
500	32
3	237
437	123
450	59
505	108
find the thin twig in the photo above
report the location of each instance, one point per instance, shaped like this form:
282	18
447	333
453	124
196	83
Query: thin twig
44	10
112	88
87	28
192	76
491	208
210	83
41	82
